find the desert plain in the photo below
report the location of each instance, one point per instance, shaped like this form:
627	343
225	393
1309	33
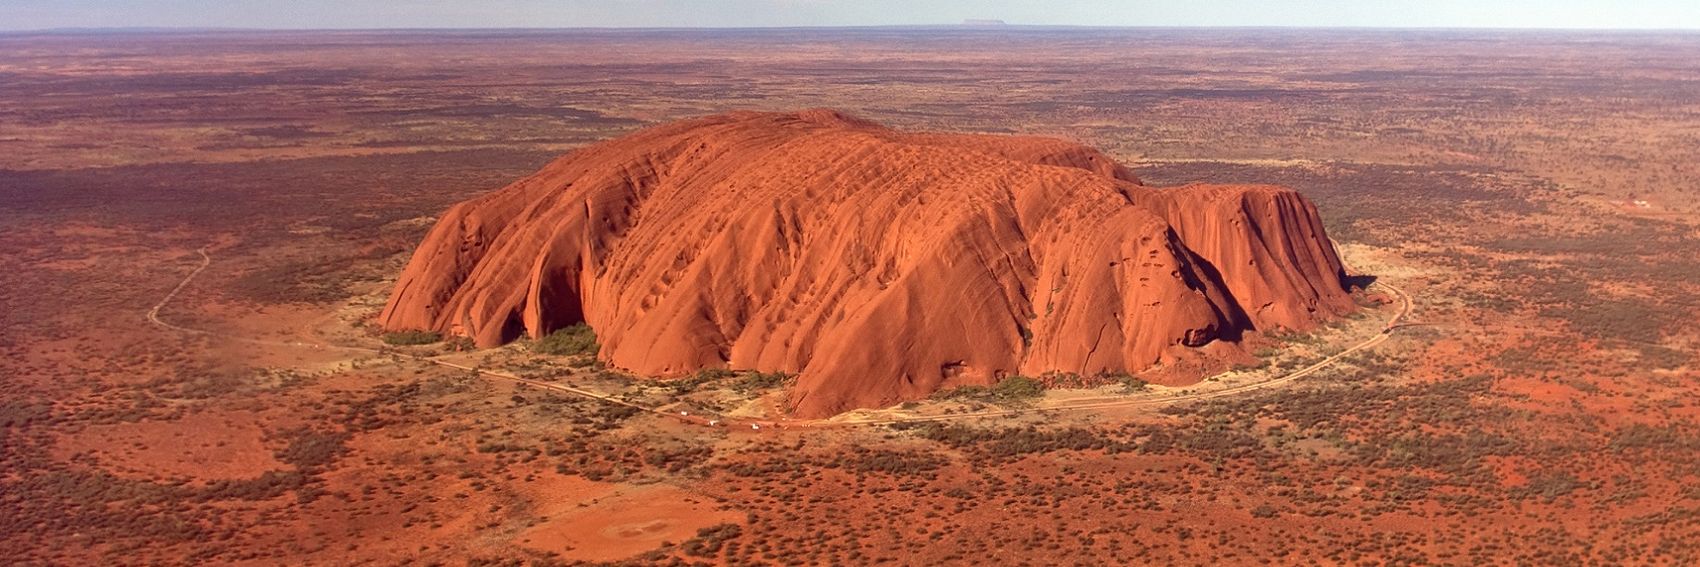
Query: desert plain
202	228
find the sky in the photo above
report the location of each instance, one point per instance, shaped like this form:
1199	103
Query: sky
297	14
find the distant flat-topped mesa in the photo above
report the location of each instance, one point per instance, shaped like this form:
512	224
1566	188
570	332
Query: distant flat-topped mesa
879	266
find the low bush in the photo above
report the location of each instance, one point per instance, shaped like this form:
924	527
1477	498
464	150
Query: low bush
308	448
1129	383
710	540
696	381
407	338
1010	389
459	344
1017	388
578	339
761	381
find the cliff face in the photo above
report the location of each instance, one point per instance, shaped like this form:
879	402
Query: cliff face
880	266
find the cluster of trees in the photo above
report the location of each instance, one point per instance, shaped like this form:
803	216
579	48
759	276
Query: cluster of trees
1005	444
742	382
1011	389
312	449
862	460
756	381
710	540
411	337
576	340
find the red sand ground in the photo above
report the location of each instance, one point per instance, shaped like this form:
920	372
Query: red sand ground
202	445
595	521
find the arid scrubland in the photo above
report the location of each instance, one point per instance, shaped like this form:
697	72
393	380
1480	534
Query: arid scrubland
1535	193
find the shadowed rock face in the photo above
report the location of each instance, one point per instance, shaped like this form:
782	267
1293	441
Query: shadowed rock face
878	265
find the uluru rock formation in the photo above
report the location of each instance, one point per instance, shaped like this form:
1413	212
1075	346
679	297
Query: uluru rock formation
878	265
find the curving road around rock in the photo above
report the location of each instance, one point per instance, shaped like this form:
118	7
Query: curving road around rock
1394	323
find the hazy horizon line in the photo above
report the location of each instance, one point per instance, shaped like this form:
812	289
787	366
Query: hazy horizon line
956	26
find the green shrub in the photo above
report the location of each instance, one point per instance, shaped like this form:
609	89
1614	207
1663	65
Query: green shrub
405	338
22	413
696	381
962	393
578	339
308	448
1017	388
1010	389
1005	443
710	540
1261	364
1130	383
761	381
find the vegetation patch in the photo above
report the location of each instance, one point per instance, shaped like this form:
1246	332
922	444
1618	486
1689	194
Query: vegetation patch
710	540
576	340
409	338
1011	389
754	381
311	449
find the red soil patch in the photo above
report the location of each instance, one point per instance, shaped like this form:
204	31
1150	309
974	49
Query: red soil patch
203	446
593	521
